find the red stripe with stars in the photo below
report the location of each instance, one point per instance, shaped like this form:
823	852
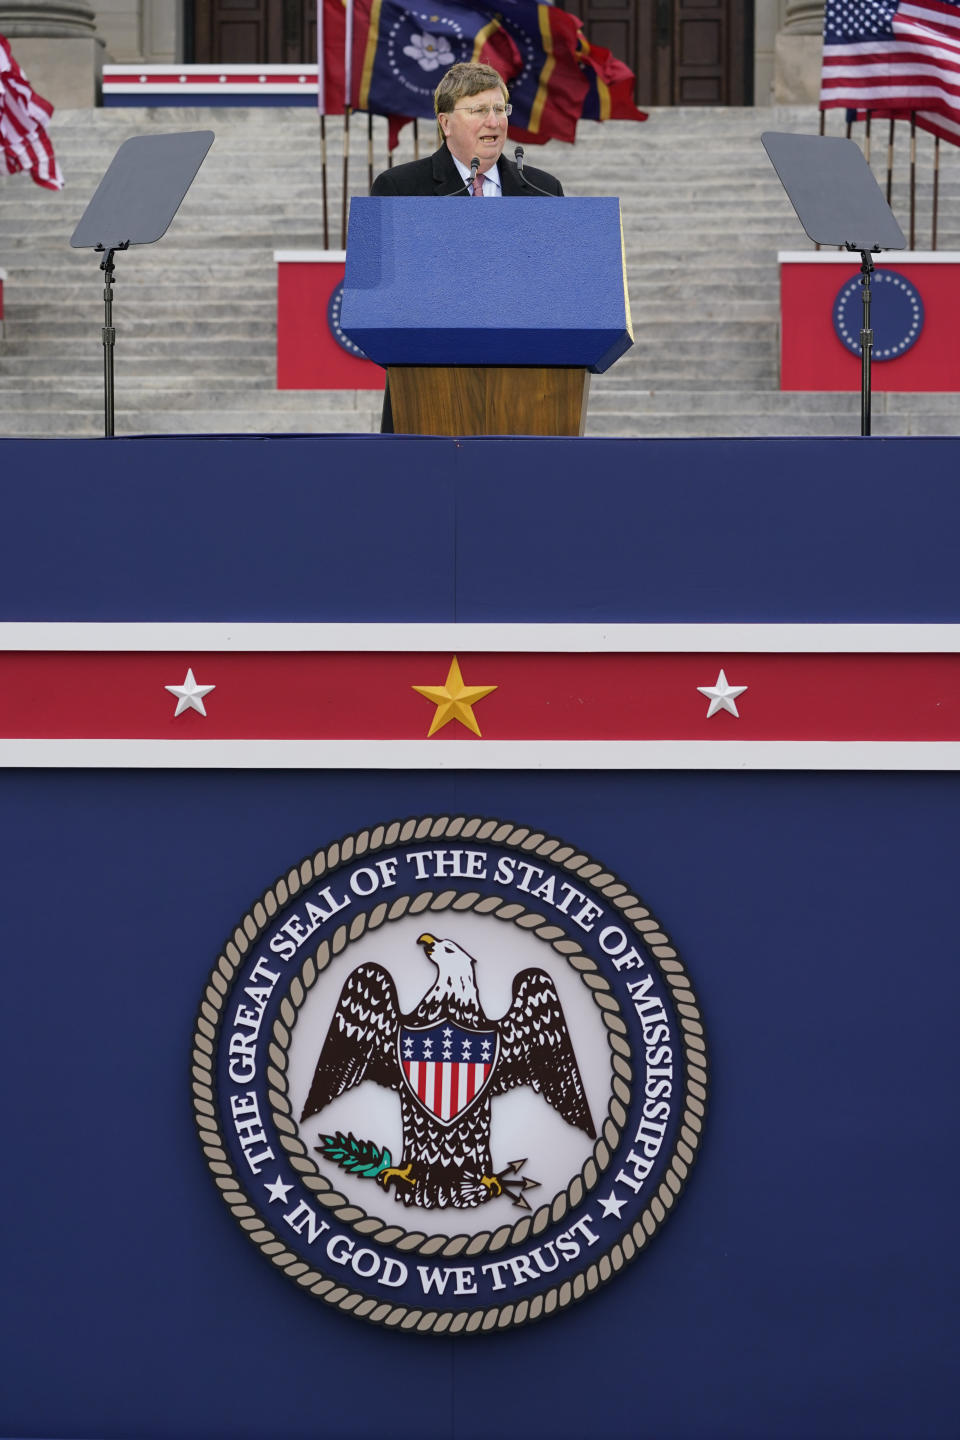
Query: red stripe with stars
538	696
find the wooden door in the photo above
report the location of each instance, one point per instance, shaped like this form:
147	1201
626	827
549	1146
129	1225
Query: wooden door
709	53
683	52
251	32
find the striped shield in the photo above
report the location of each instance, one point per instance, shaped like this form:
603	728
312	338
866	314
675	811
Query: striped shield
446	1067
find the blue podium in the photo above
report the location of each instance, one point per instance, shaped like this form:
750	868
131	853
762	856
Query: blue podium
489	319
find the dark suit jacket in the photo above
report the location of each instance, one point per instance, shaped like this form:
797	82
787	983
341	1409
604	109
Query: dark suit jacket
438	175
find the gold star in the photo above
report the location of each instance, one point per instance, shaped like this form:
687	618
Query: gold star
454	700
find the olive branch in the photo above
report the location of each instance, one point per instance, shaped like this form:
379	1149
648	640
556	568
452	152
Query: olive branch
357	1157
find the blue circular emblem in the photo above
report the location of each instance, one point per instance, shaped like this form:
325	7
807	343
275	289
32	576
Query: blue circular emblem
896	314
449	1074
333	321
422	44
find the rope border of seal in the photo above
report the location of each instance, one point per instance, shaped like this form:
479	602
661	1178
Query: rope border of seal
518	837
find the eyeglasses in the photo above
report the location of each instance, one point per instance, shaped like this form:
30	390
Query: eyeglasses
480	112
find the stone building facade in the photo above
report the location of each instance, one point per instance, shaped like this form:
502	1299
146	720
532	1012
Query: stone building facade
63	43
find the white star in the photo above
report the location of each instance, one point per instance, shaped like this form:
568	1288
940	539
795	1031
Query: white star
722	696
189	695
278	1191
612	1206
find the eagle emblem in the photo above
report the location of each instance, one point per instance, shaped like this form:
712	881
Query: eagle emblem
447	1060
362	1109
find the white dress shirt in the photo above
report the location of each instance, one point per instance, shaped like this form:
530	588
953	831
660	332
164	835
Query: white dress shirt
491	181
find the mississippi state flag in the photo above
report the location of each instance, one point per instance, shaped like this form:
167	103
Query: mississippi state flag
401	51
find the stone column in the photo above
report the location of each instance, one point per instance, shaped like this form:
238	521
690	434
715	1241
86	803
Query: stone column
56	44
798	55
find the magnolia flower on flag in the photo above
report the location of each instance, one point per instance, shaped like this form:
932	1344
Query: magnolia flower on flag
429	51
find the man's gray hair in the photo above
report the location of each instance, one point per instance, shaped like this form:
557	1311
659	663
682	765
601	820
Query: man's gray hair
461	81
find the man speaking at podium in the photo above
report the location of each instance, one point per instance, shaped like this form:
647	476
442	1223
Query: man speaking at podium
472	107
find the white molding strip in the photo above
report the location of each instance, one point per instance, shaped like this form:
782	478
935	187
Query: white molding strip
111	754
560	638
310	257
112	71
852	257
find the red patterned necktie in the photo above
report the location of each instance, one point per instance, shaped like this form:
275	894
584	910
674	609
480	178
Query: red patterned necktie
478	184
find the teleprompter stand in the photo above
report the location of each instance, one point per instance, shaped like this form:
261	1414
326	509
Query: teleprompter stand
838	202
134	205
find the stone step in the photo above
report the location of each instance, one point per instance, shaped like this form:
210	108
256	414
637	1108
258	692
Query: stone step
66	351
259	290
633	402
31	263
178	382
721	426
254	274
27	426
935	409
705	402
226	230
140	327
133	365
730	377
239	399
202	422
147	309
721	319
196	331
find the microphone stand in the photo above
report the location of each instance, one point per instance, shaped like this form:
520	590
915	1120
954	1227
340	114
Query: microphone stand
518	157
467	187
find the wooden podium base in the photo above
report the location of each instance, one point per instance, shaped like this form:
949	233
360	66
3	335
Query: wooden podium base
488	400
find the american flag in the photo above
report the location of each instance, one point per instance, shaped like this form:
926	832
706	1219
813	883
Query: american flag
24	114
895	60
446	1066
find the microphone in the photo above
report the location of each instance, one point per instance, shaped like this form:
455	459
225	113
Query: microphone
467	186
518	157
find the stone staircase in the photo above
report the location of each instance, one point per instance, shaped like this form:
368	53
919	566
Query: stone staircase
704	217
